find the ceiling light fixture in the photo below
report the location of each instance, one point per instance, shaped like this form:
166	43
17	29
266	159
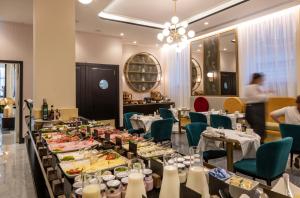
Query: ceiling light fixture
121	34
206	23
134	42
85	2
225	49
175	32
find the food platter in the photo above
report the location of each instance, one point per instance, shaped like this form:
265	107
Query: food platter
72	146
105	161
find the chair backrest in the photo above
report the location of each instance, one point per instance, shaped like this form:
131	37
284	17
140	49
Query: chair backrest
166	113
220	121
271	158
275	103
161	130
233	104
201	104
291	130
193	132
127	116
198	117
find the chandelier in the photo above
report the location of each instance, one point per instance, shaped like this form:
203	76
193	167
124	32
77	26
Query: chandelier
175	32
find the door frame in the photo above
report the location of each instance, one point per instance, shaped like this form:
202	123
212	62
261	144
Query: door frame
117	67
21	139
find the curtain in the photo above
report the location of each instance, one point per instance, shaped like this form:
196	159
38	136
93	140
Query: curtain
269	46
177	74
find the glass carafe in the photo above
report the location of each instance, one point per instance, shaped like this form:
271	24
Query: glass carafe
136	186
91	186
170	184
197	180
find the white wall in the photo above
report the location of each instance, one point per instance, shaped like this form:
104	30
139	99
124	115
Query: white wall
96	48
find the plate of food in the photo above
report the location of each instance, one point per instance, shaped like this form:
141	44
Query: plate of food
242	182
76	155
107	160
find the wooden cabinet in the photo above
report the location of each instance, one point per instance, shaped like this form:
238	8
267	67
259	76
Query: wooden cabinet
142	72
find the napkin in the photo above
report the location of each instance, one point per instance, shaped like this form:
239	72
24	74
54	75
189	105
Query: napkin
280	188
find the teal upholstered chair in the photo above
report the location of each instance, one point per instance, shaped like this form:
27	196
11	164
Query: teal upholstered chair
193	132
161	130
128	125
198	117
270	162
220	121
290	130
167	113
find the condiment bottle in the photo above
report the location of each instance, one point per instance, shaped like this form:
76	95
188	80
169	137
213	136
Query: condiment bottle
148	179
182	173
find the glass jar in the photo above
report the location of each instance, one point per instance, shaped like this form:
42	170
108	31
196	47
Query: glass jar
113	189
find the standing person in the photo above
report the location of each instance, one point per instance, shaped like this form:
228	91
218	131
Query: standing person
255	98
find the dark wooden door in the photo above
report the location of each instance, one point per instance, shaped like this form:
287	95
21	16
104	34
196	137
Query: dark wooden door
98	91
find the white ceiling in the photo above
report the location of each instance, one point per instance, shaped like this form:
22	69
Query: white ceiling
151	10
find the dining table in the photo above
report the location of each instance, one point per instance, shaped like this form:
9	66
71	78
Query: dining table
213	139
143	121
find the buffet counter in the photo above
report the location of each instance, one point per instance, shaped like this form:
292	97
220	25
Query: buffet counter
148	108
59	156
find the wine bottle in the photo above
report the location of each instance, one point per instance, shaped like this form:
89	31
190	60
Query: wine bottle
51	116
45	110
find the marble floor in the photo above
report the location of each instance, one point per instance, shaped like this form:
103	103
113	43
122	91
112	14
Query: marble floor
15	173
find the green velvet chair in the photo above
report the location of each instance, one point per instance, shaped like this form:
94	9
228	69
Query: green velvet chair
128	126
193	132
290	130
161	130
220	121
270	162
167	113
198	117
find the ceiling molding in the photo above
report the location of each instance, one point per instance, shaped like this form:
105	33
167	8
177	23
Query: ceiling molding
139	22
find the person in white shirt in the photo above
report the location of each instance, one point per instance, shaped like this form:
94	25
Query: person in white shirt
291	116
255	98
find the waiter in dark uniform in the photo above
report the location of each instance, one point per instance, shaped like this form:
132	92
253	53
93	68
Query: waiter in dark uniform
255	98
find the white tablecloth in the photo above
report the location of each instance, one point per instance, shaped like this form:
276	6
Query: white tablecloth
232	116
143	122
249	143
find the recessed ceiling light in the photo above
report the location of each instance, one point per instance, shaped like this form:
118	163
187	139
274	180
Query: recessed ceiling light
200	45
198	50
85	1
206	23
121	34
225	49
134	42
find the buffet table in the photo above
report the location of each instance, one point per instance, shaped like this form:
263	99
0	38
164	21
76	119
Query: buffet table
56	162
146	109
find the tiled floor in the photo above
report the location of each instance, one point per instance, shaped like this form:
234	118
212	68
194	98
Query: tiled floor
15	174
